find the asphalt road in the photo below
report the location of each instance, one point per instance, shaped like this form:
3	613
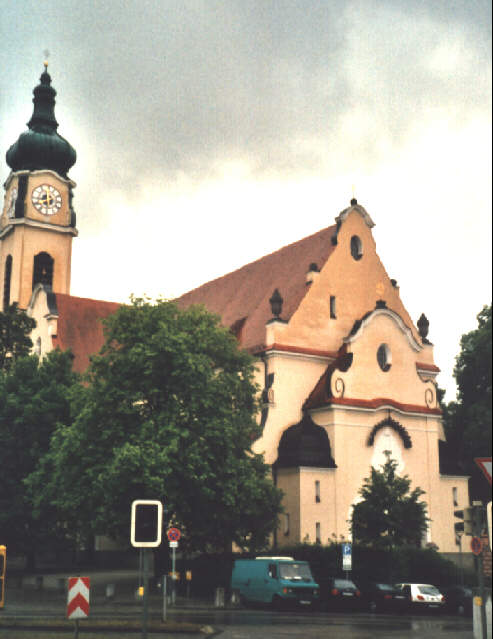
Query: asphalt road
232	623
253	624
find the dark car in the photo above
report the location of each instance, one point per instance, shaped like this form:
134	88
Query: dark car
382	597
458	600
340	594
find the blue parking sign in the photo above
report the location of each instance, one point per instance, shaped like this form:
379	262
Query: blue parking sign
346	557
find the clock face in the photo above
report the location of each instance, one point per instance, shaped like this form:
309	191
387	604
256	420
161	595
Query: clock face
46	199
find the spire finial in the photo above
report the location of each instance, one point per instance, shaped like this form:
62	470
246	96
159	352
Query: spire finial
46	54
353	199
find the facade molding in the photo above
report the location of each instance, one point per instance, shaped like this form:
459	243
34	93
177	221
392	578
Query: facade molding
374	405
360	326
43	226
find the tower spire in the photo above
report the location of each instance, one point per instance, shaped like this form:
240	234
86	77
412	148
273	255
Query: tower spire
41	147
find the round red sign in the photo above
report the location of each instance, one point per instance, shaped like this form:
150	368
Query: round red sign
476	546
174	534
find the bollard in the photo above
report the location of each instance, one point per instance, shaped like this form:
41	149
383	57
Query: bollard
235	597
219	598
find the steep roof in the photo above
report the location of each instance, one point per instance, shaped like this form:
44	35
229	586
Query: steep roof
241	298
80	328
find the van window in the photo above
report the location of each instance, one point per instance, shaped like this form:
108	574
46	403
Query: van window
295	571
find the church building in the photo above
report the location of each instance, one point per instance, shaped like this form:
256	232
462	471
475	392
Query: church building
347	376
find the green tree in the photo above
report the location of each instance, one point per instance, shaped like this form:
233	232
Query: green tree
388	515
33	398
15	328
468	420
167	412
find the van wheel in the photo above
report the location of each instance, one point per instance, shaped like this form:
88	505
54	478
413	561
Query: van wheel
277	602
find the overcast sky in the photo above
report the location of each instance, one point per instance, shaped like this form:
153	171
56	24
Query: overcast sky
212	132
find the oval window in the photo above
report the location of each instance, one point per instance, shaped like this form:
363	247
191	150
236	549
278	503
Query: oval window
384	357
356	247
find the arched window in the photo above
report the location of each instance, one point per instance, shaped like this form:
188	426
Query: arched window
356	247
43	269
6	282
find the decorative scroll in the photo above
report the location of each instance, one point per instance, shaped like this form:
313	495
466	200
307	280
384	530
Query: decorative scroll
429	398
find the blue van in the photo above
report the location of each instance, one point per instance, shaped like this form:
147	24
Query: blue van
274	580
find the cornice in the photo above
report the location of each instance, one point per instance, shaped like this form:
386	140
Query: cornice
13	174
373	405
44	226
298	351
361	325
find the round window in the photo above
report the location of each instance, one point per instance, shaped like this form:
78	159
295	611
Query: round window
356	247
384	357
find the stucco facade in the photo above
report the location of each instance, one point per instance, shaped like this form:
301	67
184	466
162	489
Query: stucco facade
345	373
324	364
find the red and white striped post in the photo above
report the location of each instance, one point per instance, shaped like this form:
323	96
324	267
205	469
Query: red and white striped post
78	599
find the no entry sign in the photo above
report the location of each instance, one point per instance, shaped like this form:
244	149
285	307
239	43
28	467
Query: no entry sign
476	545
78	597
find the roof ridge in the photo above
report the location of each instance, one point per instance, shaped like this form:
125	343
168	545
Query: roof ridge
88	299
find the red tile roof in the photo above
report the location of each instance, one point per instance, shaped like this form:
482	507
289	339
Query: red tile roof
80	328
241	298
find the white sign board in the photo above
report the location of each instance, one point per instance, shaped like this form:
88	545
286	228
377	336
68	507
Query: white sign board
146	523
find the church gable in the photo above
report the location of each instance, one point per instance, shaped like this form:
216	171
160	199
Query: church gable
348	285
377	365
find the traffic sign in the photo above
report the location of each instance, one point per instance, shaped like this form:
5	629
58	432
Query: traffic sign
173	544
484	464
78	597
174	534
146	523
346	557
476	545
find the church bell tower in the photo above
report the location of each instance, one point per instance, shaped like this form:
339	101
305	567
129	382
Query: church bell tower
37	223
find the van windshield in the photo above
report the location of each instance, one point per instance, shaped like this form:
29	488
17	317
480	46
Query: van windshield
295	572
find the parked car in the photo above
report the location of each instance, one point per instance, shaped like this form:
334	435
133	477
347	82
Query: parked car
340	594
274	580
458	600
423	596
382	597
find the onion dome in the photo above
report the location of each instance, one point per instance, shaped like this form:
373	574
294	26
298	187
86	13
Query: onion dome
305	444
42	147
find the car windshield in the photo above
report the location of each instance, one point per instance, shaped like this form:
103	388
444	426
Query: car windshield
343	583
428	590
295	572
384	587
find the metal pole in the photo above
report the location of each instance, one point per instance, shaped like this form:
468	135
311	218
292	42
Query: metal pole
478	519
173	587
165	597
145	607
481	594
461	564
140	567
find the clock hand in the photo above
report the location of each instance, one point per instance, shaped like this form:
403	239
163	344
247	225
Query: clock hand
49	198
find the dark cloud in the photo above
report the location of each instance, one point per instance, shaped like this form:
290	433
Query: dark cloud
173	87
